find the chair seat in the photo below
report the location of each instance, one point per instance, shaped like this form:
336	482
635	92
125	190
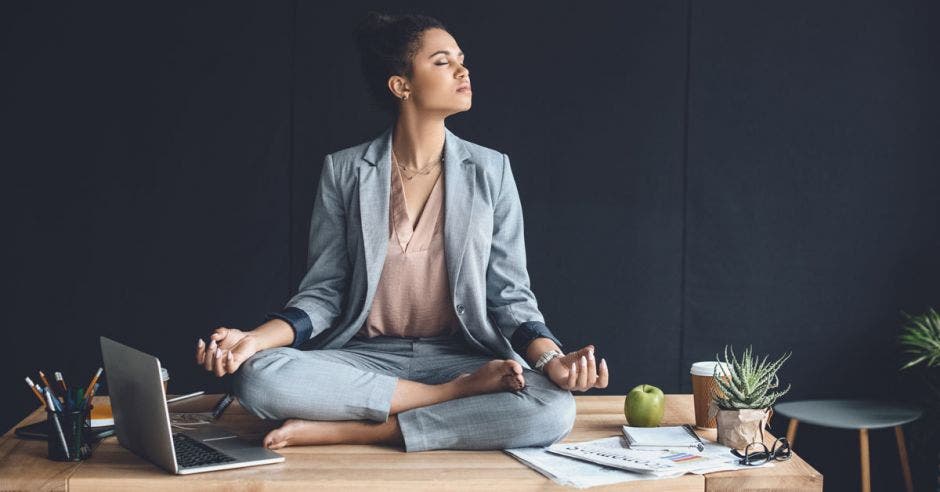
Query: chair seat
850	414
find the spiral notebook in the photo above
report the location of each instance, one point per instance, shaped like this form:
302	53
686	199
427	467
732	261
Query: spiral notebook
662	438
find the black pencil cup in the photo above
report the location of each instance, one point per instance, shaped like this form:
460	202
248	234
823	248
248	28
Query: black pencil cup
76	425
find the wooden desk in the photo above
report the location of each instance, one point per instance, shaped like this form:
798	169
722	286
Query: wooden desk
23	463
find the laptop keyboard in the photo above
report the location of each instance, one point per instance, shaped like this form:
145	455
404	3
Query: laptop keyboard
190	453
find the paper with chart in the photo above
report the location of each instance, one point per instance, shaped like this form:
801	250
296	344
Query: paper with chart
613	451
576	473
566	470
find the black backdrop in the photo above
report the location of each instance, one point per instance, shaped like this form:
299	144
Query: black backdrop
692	174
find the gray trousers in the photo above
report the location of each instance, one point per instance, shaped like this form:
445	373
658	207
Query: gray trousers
356	382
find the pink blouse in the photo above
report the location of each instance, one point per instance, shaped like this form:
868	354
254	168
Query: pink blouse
412	298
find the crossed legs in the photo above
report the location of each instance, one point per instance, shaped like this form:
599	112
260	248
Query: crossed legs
497	375
352	405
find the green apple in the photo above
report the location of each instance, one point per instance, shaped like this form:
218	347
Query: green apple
644	406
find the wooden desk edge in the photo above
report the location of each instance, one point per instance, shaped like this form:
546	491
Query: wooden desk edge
62	472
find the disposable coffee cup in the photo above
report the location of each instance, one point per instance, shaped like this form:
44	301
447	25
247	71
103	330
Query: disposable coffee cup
703	389
165	376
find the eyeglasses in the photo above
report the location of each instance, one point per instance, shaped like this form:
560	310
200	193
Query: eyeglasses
756	453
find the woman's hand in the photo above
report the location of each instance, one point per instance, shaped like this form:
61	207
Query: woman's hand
228	348
577	370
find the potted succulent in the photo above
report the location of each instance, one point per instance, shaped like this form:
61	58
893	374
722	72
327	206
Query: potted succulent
744	396
920	338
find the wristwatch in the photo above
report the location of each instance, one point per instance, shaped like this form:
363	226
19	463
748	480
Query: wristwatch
545	358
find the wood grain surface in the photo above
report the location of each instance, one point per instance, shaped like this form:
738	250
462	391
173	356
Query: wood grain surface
23	463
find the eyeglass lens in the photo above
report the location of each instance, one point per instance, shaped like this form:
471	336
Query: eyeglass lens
757	453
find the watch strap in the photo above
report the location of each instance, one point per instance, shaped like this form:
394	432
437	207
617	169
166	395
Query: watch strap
545	358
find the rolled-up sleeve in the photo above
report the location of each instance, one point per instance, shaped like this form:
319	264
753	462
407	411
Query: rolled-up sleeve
528	331
319	299
298	320
510	301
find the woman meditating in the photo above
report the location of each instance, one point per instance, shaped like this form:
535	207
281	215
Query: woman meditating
414	325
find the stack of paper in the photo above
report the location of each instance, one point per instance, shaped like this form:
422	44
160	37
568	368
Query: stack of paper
658	463
578	473
609	460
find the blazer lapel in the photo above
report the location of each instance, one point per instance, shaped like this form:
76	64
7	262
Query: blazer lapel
459	193
375	191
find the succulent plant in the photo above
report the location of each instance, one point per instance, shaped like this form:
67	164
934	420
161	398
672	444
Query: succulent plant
750	381
921	336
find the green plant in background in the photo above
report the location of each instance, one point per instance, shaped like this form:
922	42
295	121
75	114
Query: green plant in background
921	336
750	383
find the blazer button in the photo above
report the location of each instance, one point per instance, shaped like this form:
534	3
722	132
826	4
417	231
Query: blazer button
460	309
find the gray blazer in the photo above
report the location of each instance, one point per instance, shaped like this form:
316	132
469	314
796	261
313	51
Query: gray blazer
483	243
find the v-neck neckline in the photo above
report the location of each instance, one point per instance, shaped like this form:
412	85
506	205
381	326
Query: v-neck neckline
403	228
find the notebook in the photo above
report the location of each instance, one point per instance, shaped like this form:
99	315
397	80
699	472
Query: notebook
101	414
662	438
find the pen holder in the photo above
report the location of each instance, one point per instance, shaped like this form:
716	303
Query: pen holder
75	426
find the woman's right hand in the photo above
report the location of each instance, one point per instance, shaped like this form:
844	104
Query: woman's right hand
227	349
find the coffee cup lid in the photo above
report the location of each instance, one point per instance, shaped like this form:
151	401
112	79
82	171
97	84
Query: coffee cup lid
707	368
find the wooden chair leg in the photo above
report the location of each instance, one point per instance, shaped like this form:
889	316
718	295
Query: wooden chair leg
863	448
902	452
791	432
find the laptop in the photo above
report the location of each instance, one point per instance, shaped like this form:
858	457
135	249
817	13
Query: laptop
142	420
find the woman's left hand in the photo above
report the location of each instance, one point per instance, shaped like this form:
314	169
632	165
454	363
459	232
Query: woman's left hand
578	371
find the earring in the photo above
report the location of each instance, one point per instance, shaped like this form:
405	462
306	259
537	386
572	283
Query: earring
404	97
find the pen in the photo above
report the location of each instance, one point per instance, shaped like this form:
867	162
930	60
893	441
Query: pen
32	386
56	406
183	397
58	428
94	381
222	405
51	389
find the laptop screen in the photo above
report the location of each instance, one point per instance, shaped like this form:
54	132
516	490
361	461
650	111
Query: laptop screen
141	418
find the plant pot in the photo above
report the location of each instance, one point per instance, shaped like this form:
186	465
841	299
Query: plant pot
738	428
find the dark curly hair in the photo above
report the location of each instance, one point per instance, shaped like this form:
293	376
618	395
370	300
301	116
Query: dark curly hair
387	44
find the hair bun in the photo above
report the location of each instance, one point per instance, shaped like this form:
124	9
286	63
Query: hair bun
377	17
387	45
372	25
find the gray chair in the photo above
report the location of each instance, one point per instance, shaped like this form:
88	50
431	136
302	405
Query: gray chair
858	415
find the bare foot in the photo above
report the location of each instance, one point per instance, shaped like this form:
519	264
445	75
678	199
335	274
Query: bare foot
494	376
295	432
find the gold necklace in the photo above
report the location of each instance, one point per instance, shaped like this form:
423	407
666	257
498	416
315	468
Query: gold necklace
425	170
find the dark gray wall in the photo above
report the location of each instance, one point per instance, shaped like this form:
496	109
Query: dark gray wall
145	193
811	205
692	174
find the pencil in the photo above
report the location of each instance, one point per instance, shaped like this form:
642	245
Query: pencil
93	381
91	395
61	380
32	386
45	381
